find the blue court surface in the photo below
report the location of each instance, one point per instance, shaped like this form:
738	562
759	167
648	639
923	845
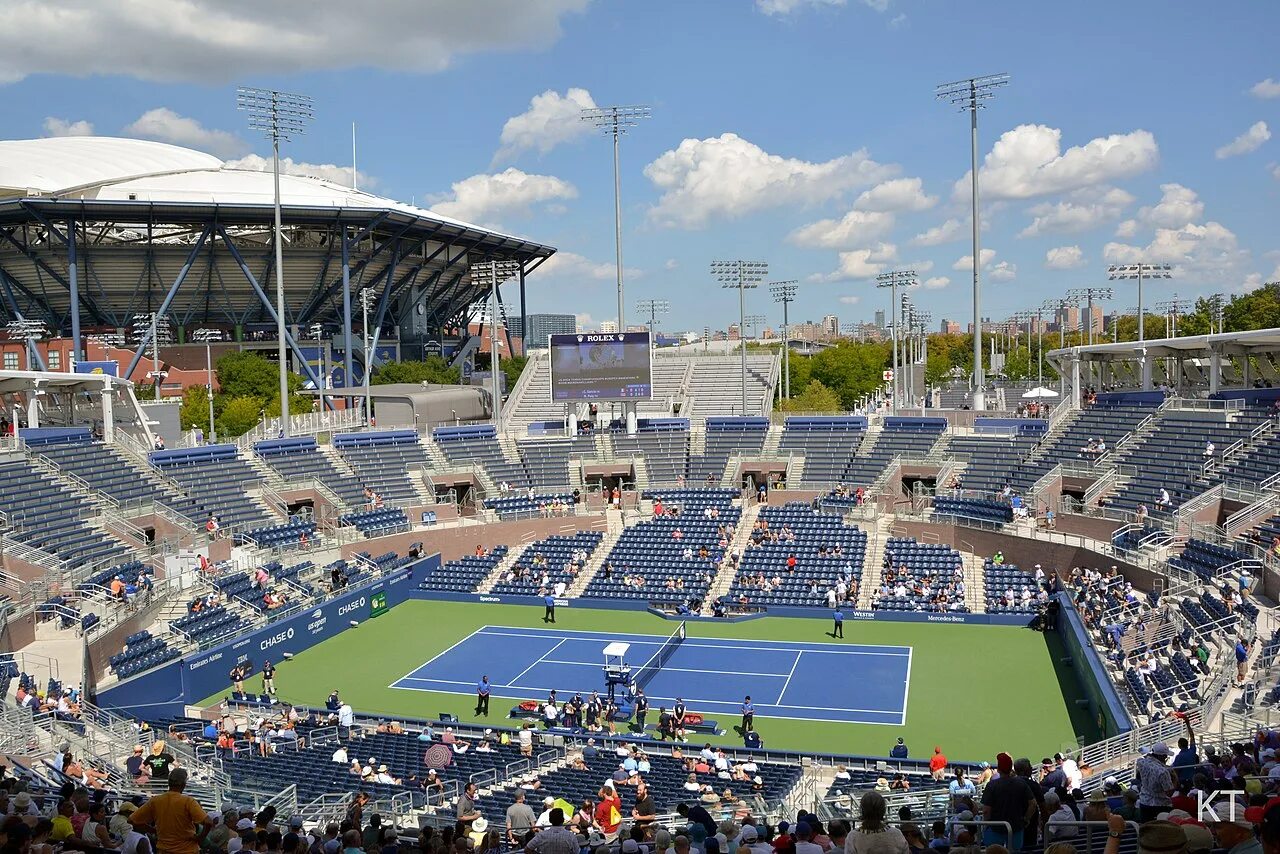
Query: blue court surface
843	683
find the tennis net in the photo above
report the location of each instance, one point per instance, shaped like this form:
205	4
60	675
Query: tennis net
651	667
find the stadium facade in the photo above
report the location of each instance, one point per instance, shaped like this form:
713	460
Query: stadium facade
94	231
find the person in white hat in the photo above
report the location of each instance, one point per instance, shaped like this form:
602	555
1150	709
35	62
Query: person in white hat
479	828
544	819
1154	782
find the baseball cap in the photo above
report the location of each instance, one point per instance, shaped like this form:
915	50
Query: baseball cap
234	845
749	834
244	824
295	821
629	846
1257	814
1160	749
1161	837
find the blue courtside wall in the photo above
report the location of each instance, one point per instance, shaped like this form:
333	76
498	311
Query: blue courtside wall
191	679
1105	706
773	610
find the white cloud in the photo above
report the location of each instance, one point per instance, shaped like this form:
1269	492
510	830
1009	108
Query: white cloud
165	125
1207	253
1275	171
939	234
1084	210
1178	206
552	119
965	262
1127	229
936	283
570	265
1064	258
1249	141
583	320
1002	272
1266	88
1028	161
484	198
898	21
854	229
851	299
860	264
787	7
214	41
671	264
896	196
54	126
288	166
728	176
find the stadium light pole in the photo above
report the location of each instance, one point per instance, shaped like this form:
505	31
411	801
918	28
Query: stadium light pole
1089	294
615	121
653	308
1026	317
365	295
893	280
1217	302
742	275
278	115
207	337
785	293
755	321
969	95
1140	271
498	272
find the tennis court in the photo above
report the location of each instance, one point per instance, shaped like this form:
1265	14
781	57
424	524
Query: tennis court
837	682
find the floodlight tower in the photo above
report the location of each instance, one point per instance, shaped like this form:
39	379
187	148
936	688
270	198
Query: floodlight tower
1089	294
653	308
920	325
497	272
615	121
278	115
1217	302
756	322
1026	317
1060	305
969	95
893	280
1140	271
785	293
1172	309
742	275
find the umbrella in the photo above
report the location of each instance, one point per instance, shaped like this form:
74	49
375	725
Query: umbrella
437	756
1039	391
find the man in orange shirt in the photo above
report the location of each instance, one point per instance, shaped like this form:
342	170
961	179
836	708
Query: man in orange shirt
937	764
609	813
179	821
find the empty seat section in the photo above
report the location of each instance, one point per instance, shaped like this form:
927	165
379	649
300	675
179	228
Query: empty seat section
216	482
477	444
382	461
42	513
828	445
727	437
300	458
664	446
900	437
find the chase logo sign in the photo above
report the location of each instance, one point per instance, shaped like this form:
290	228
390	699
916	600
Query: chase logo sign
278	637
352	606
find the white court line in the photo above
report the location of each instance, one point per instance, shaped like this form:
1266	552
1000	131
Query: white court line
539	660
701	670
794	665
906	691
437	655
736	647
688	701
726	643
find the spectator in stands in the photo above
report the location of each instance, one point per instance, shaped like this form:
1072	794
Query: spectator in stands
1164	500
160	761
1060	823
556	839
608	815
899	750
938	764
180	823
1242	659
873	835
467	812
960	786
520	818
1154	782
1006	798
1237	836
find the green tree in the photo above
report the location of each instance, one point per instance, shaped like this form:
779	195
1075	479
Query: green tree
195	408
512	368
433	369
851	369
245	374
239	415
816	397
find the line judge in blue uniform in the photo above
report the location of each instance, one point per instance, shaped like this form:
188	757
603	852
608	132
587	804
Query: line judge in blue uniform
748	715
549	616
837	630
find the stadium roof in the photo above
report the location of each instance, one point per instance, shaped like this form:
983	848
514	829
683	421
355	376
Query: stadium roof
111	169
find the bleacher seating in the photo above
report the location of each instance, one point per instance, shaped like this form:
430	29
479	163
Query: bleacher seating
547	461
525	506
1107	422
1010	590
1206	560
215	481
826	551
905	437
477	444
929	577
382	461
994	510
653	552
284	536
104	467
990	460
141	652
725	438
828	444
40	512
551	557
463	575
242	586
664	445
716	386
377	523
208	625
300	457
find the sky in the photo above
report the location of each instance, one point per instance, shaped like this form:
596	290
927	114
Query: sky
802	133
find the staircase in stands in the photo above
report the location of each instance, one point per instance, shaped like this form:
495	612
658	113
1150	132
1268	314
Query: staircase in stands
873	563
738	545
508	560
975	587
613	518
